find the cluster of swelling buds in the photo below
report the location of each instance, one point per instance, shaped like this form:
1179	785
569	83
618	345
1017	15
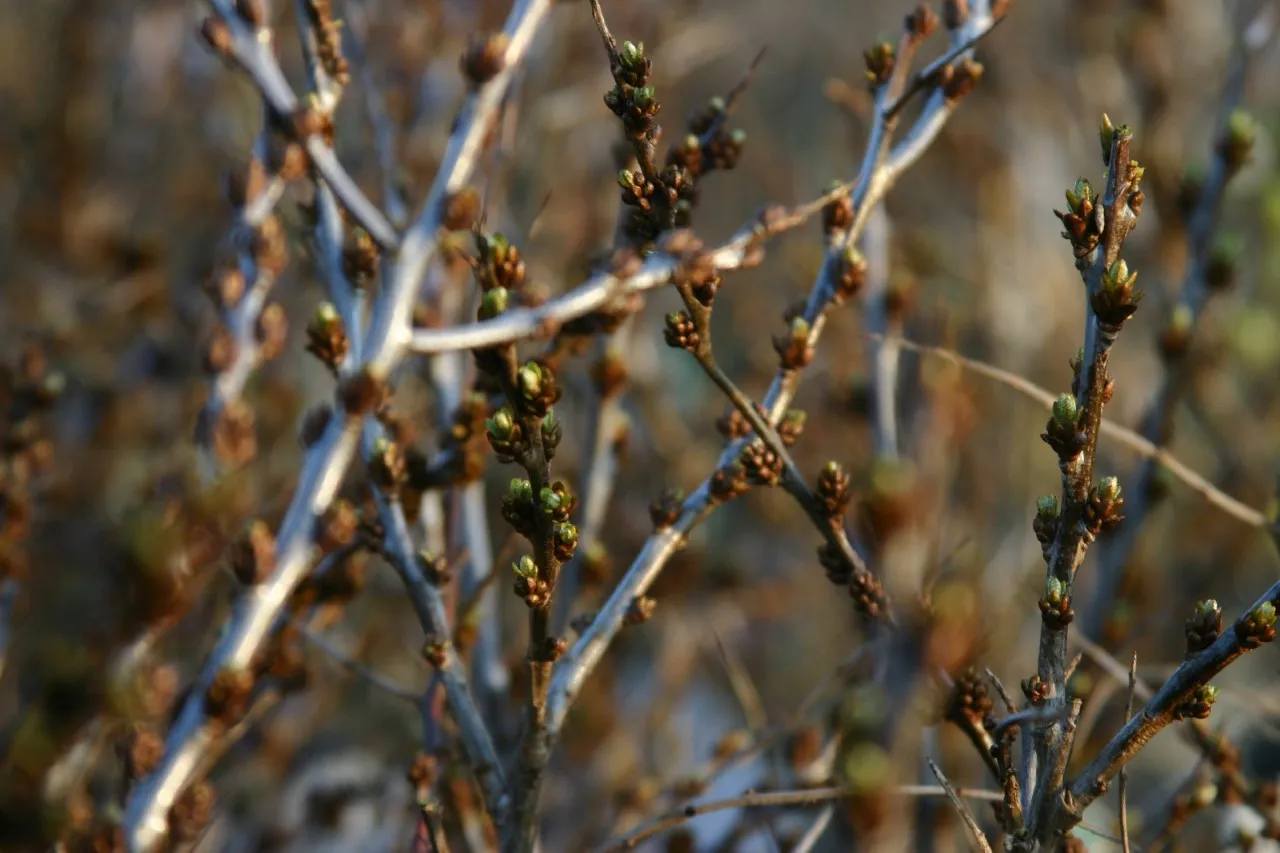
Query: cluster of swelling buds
657	200
526	432
1032	807
1096	226
1210	269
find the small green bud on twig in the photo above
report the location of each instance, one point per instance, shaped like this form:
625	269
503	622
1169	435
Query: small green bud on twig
1080	198
501	425
632	54
1237	139
529	379
1106	132
494	302
1066	412
1053	589
548	500
526	568
1265	614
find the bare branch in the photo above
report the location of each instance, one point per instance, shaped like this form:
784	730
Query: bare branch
429	605
586	653
815	831
146	816
604	288
254	54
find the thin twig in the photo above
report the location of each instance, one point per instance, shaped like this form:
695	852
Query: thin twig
929	76
1124	774
792	480
1033	714
262	705
744	689
240	320
606	287
883	332
8	598
815	831
448	374
608	426
804	797
429	605
1212	745
732	97
362	670
1120	434
1001	690
384	132
980	842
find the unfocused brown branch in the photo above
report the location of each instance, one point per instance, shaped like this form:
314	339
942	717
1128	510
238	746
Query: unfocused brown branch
807	797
